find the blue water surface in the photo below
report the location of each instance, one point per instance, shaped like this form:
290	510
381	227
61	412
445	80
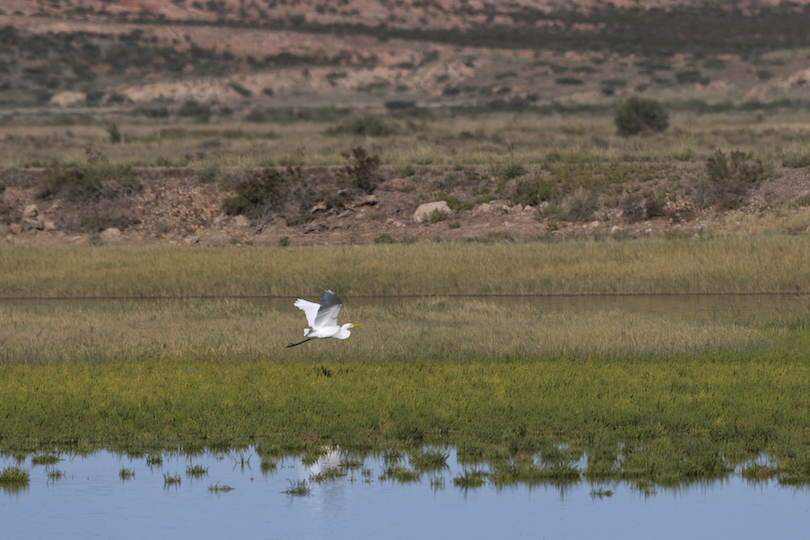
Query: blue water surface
92	501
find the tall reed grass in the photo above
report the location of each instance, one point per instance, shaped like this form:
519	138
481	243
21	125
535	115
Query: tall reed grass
730	264
75	332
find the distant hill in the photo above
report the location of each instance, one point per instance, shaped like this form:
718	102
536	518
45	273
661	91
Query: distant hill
250	59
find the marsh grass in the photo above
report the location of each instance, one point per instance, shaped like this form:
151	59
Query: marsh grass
14	476
429	328
55	474
428	459
216	488
45	459
126	474
328	474
400	473
196	471
298	488
731	264
169	480
470	479
268	465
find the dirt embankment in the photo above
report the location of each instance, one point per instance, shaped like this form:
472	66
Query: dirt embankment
175	207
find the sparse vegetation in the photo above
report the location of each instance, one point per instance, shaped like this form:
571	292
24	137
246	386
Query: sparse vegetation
13	477
363	169
728	180
263	192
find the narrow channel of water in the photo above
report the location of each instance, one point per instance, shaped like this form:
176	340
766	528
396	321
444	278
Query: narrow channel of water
91	500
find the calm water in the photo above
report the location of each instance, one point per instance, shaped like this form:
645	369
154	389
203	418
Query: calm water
91	501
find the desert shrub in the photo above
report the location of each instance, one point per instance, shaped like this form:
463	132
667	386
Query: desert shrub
115	134
192	109
384	239
653	206
453	202
513	169
579	205
149	112
366	125
94	180
796	160
637	115
263	191
728	180
690	76
632	208
209	173
363	169
437	216
532	192
239	89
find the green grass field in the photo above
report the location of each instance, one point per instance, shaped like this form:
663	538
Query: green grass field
639	396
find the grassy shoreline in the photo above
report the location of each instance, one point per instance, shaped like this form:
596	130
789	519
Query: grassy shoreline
727	264
643	397
692	417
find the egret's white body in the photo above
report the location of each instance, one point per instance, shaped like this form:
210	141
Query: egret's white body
322	318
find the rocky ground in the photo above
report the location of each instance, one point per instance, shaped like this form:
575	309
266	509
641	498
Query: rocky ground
175	207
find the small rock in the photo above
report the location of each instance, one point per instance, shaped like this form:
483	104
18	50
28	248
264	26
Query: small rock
240	222
15	228
368	200
191	240
338	223
594	224
30	212
483	208
111	236
31	224
319	207
48	226
424	211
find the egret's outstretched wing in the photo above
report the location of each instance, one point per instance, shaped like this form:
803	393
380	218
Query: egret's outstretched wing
310	309
328	312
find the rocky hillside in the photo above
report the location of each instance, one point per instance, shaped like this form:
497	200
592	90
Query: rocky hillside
321	206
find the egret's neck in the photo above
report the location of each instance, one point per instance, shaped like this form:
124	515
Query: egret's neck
344	331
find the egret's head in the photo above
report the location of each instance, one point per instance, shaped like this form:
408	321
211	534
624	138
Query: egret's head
350	325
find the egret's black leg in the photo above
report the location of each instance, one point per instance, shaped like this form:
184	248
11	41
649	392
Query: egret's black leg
299	343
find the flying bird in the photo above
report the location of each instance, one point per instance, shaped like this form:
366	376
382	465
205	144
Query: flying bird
323	318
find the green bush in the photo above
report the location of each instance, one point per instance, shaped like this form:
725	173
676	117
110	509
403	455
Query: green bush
637	115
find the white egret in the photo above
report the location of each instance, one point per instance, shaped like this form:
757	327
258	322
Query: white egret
323	318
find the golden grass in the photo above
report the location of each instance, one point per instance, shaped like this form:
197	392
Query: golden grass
73	332
727	264
442	140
